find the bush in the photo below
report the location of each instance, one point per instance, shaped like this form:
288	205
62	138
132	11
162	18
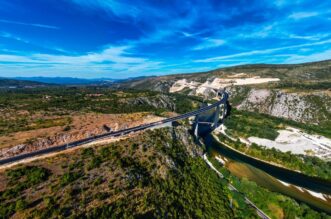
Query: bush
105	152
67	128
20	205
69	177
94	163
88	152
30	175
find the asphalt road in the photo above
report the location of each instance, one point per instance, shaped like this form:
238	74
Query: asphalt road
122	132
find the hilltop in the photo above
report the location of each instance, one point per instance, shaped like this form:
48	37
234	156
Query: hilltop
4	82
312	71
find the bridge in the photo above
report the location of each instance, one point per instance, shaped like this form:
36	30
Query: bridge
220	107
209	120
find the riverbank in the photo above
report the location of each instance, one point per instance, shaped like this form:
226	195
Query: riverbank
308	165
318	184
259	212
267	176
264	161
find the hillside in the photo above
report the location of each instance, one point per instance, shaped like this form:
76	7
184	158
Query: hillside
4	82
319	71
155	174
43	117
67	80
300	92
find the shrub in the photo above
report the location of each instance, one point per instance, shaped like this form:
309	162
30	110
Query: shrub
32	175
105	152
88	152
69	177
94	163
67	128
20	205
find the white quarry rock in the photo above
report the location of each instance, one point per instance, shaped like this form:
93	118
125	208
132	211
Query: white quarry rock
297	142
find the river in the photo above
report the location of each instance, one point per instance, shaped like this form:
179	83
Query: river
290	183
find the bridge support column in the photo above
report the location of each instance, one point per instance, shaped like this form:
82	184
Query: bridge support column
216	116
196	129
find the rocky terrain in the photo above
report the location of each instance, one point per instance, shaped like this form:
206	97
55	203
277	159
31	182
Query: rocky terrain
163	101
298	106
313	71
33	119
82	126
299	92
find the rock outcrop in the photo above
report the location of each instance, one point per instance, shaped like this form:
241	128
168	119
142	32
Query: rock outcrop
298	106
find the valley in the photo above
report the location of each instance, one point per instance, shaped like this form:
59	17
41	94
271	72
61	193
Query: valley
274	119
154	109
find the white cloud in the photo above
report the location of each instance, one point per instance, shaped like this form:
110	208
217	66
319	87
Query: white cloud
294	58
302	15
112	7
258	52
29	24
312	37
209	43
111	59
110	54
11	36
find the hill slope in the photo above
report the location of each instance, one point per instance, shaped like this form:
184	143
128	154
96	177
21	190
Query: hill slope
4	82
157	174
301	92
320	71
66	80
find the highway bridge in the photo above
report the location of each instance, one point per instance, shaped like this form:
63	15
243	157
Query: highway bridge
223	101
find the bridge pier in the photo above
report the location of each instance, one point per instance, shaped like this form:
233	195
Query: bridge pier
213	120
216	116
196	128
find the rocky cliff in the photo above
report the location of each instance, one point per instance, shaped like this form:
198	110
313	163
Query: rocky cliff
305	107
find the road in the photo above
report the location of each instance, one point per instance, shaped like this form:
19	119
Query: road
122	132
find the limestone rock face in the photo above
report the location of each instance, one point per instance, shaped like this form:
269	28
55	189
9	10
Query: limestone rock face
160	101
301	107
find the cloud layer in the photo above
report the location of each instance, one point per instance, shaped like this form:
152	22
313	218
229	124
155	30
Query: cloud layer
118	39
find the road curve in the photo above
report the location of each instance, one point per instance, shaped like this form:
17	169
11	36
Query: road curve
122	132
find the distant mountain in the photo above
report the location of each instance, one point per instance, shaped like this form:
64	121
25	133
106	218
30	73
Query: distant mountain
5	82
67	80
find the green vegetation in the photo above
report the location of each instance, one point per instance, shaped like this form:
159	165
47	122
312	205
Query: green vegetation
29	109
34	175
151	175
324	85
273	204
19	180
148	176
308	165
246	124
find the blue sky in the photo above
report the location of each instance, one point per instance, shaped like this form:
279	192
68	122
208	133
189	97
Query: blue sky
118	39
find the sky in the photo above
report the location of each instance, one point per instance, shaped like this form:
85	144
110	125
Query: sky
126	38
